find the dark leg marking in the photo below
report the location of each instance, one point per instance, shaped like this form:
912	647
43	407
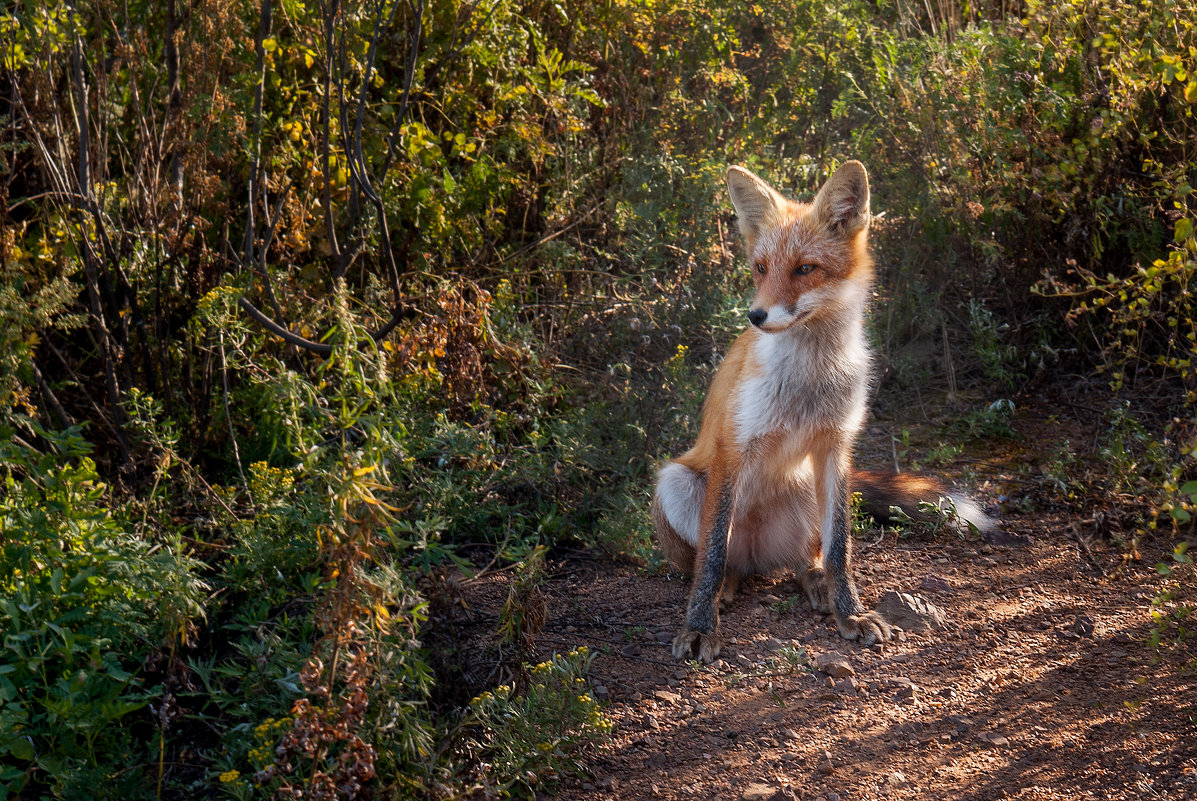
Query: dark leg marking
698	639
837	559
853	621
702	615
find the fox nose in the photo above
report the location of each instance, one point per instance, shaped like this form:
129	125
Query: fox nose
757	316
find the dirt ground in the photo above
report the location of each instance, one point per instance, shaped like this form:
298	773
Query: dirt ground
1039	685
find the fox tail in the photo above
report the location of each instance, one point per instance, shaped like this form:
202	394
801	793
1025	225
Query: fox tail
882	492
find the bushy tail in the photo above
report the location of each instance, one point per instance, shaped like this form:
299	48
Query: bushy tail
882	491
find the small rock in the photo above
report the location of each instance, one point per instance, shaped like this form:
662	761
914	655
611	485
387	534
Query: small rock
1084	626
607	783
666	696
985	561
744	660
910	612
632	650
936	584
907	689
833	797
650	722
759	791
993	739
834	664
897	778
773	644
789	734
599	690
825	765
961	722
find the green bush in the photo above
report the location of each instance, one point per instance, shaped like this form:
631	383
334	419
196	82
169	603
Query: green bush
523	741
85	600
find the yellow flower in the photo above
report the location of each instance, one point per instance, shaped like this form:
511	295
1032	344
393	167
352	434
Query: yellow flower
230	776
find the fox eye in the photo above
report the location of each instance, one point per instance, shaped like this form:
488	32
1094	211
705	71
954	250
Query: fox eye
803	269
760	267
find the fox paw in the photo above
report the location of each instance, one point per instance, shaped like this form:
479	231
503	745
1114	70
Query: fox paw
814	583
696	645
867	628
731	583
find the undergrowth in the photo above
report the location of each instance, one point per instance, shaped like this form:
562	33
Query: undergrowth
307	310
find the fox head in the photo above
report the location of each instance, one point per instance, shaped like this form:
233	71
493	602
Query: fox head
808	259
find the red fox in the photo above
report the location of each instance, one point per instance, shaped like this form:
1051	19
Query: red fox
767	485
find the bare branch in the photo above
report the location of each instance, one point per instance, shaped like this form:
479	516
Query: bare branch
281	332
320	348
413	53
264	21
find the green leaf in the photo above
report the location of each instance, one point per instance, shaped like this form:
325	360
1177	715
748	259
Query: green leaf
1188	488
1191	92
21	748
1184	228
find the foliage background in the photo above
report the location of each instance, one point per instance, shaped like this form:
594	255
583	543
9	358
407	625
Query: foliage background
306	306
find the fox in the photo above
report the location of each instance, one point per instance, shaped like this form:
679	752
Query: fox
768	483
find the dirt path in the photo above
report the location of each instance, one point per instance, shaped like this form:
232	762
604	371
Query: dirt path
1040	685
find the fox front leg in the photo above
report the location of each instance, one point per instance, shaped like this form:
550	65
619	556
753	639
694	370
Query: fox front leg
699	638
851	618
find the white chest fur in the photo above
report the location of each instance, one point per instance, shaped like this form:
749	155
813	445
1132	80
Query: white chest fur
807	378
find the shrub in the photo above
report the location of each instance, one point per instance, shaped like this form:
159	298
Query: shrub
85	603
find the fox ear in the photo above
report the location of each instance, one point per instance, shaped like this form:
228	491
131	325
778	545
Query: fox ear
843	202
757	204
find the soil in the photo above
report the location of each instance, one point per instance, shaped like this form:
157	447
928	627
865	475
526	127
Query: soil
1041	683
